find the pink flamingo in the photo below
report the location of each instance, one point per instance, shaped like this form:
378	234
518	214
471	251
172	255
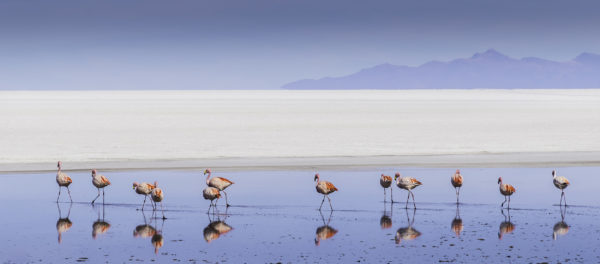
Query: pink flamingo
63	180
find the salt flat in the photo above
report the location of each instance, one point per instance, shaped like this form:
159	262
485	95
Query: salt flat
128	126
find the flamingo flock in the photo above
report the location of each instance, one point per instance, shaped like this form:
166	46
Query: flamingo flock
216	185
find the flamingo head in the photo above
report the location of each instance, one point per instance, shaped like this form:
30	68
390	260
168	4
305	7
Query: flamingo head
457	171
397	175
499	180
94	172
155	184
135	184
316	177
59	164
207	171
553	173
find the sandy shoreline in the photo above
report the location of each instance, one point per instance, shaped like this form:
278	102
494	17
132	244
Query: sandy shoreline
488	160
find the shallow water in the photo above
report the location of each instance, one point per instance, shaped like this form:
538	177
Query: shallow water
274	218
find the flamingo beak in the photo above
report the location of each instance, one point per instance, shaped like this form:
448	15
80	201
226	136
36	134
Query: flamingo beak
315	178
498	180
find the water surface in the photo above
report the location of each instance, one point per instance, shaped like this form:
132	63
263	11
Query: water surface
274	218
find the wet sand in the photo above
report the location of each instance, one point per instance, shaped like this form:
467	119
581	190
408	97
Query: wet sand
274	218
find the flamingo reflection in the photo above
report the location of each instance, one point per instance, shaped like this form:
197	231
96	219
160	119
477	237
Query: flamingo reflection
63	224
158	239
407	233
145	230
216	227
325	231
386	220
561	228
457	223
506	227
100	226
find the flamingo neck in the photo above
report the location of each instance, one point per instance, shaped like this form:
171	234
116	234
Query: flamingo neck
318	179
207	178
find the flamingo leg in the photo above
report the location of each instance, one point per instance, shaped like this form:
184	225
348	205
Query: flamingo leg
508	201
413	196
102	197
226	199
96	196
163	210
69	191
502	205
407	198
331	207
58	197
457	194
145	196
322	203
384	196
392	193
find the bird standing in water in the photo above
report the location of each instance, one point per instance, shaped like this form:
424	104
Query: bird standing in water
407	183
144	189
63	180
99	181
218	182
325	188
561	183
386	182
211	193
157	196
457	181
507	190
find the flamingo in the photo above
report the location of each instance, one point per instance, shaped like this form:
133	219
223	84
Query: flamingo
386	182
211	193
325	231
407	183
325	188
63	180
561	183
219	183
157	196
100	182
507	190
144	188
457	181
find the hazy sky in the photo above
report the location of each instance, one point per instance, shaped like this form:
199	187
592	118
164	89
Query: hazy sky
138	44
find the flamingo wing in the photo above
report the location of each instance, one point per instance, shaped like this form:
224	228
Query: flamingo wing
330	187
104	180
224	179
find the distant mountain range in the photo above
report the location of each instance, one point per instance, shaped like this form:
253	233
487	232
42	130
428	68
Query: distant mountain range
489	69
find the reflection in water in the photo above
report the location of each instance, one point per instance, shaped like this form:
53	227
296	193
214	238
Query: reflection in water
507	226
457	222
325	231
407	233
158	239
146	230
63	224
386	221
561	228
216	227
100	226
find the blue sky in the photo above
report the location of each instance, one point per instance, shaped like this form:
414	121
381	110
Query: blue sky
149	44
